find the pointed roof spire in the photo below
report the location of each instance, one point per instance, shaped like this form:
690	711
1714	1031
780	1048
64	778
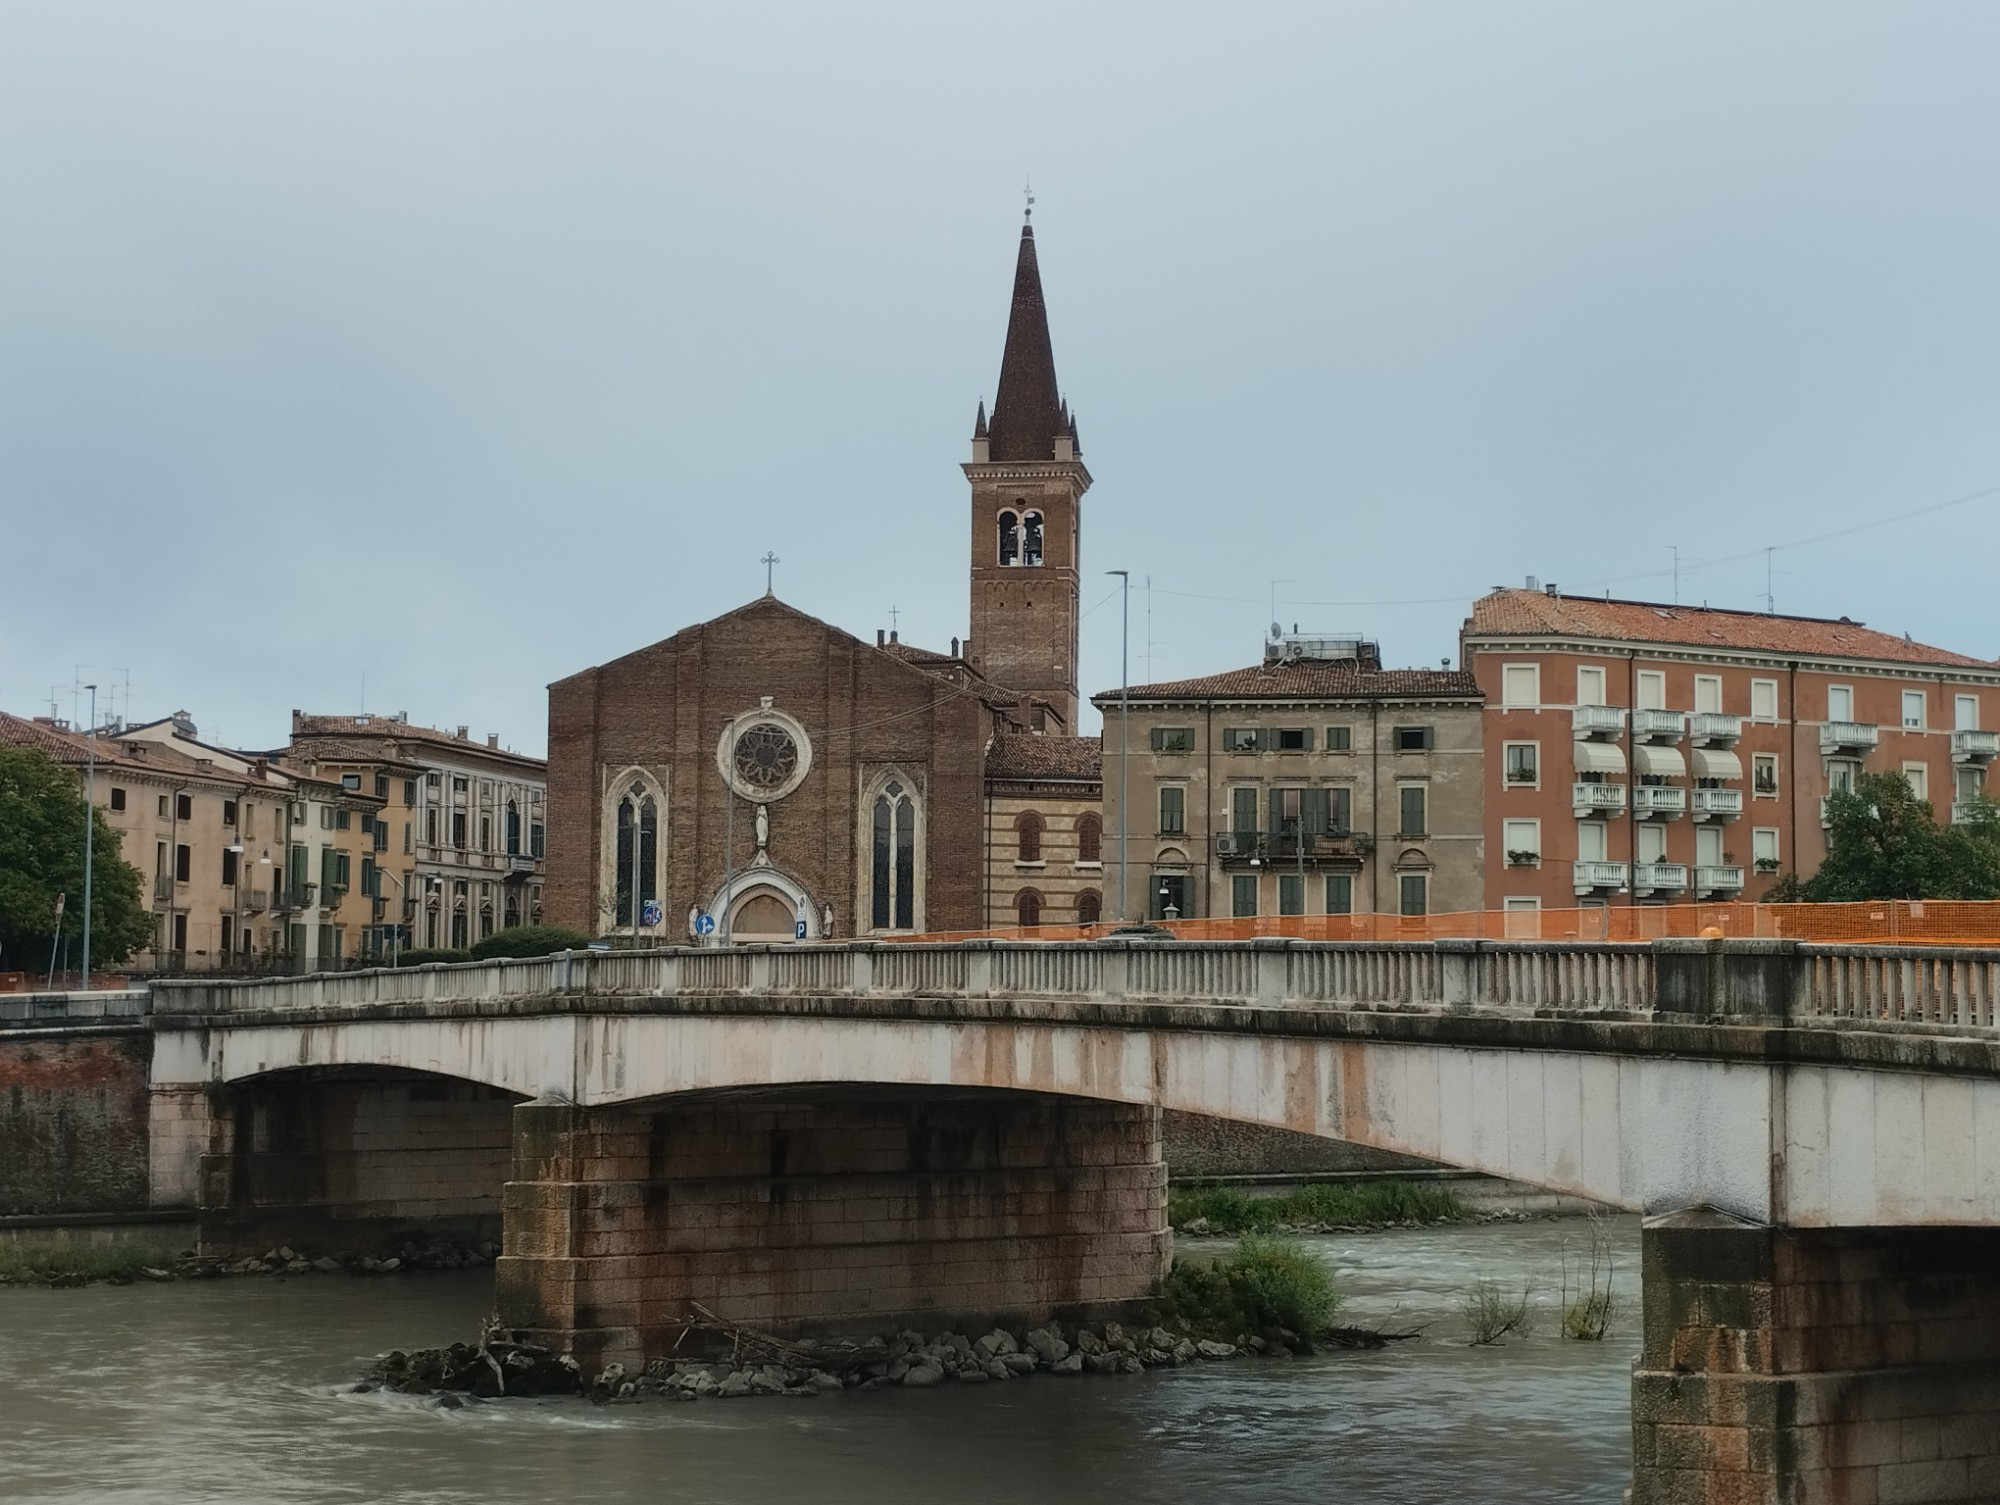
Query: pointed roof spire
1027	414
979	423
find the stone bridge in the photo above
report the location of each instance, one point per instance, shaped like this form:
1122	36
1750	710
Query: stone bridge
815	1138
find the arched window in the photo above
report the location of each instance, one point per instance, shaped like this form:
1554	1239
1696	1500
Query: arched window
1028	908
893	859
1031	538
638	855
1010	538
1089	839
1089	907
513	829
1028	828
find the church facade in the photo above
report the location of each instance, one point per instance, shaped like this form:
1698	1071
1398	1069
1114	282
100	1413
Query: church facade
766	777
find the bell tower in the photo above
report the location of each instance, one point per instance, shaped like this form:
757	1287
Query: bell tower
1028	483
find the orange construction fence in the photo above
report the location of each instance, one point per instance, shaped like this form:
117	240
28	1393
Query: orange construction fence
1900	922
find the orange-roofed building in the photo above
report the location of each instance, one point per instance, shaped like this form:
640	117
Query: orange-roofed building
1641	753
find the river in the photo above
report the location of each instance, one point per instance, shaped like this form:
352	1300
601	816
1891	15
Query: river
233	1391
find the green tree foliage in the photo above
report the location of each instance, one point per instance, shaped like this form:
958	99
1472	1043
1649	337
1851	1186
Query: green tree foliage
1885	843
41	855
528	940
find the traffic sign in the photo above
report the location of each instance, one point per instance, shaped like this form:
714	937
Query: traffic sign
649	912
704	924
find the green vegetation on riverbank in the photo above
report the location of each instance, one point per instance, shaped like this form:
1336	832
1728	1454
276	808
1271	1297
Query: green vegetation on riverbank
60	1264
1268	1282
1350	1204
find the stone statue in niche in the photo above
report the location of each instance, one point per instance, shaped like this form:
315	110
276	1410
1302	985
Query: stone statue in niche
826	920
763	834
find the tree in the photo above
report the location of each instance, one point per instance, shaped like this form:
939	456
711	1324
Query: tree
41	855
1885	843
528	940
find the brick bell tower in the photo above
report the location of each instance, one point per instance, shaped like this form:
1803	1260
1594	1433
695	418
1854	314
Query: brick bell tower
1028	483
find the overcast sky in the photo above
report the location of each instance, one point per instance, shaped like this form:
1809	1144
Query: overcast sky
464	346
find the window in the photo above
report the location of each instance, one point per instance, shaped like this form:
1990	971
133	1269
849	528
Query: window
371	886
459	784
430	828
1521	686
1339	809
1413	892
1652	843
1839	702
1590	686
1028	834
382	834
1173	739
1028	909
638	855
1243	809
1010	538
1652	690
1340	893
535	838
183	807
458	829
1031	538
1841	774
1591	840
1708	846
1089	908
1173	811
1413	739
1522	761
893	859
485	833
1291	893
1918	777
1764	848
1522	842
1241	739
1523	921
1968	782
229	812
513	829
228	868
117	798
381	786
434	779
1169	896
1414	800
295	874
351	782
1295	739
406	838
1964	716
1913	709
1243	895
410	792
1089	839
1708	694
1340	739
163	807
183	863
341	819
1763	700
181	931
458	935
1764	774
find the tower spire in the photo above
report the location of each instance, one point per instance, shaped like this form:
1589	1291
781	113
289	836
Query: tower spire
1027	411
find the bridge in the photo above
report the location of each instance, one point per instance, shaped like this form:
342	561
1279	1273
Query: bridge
819	1138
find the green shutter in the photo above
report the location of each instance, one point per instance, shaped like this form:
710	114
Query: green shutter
1243	810
1313	808
326	884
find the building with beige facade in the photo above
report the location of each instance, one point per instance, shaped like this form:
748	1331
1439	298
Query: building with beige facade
1314	783
1044	830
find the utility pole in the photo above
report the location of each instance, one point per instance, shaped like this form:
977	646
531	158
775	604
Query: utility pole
1124	737
89	824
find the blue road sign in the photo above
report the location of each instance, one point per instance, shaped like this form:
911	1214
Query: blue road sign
704	924
798	930
649	912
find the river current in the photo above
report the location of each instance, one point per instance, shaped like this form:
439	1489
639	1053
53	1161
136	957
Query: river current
235	1391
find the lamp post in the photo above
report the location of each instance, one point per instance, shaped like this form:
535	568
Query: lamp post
403	893
1124	736
89	824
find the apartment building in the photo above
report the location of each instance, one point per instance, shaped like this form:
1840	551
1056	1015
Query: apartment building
462	826
1314	782
1645	753
1044	830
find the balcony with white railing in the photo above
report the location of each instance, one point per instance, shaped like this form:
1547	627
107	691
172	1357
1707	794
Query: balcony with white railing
1718	880
1713	729
1590	876
1606	721
1597	799
1718	804
1653	877
1658	726
1974	747
1961	811
1666	801
1847	736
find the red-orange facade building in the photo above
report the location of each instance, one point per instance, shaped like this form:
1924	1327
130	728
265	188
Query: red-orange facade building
1642	753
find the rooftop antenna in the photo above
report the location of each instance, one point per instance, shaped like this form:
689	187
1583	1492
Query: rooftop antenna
1277	631
1676	548
1149	629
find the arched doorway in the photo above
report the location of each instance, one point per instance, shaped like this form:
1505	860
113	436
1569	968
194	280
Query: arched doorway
762	917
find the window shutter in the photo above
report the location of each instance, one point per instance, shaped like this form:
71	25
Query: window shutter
1313	809
1158	737
326	870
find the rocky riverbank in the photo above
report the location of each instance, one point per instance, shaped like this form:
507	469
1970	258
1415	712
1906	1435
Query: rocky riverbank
62	1266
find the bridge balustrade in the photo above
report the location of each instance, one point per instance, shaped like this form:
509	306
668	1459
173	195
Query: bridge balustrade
1901	985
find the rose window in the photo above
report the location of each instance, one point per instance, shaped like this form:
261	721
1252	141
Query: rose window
766	757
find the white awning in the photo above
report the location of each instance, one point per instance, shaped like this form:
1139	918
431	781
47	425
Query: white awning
1717	763
1661	762
1599	757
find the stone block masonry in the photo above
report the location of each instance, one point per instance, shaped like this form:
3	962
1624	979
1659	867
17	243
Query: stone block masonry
852	1214
1817	1367
73	1110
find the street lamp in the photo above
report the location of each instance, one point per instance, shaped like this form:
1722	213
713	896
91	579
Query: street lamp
402	892
1124	736
89	824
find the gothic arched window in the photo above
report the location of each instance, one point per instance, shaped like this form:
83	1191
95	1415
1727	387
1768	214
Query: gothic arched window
638	855
1028	908
1028	829
513	829
1089	908
893	859
1010	538
1031	538
1089	839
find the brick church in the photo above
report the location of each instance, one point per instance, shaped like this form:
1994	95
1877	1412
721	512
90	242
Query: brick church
778	777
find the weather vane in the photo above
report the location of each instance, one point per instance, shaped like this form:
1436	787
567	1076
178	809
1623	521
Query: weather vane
767	561
1028	193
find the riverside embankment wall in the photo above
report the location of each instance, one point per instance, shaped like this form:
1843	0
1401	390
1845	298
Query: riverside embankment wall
73	1112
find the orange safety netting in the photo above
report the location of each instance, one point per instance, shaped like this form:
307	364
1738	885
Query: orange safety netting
1902	922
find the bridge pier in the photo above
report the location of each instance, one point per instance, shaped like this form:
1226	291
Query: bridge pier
826	1211
1816	1366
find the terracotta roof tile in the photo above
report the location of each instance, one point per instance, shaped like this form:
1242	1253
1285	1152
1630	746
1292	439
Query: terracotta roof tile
1526	613
1308	679
1025	756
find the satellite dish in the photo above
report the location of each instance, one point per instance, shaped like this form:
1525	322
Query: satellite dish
1277	631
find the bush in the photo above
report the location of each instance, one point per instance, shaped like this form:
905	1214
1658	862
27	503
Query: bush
1345	1204
1492	1313
528	940
1269	1282
424	955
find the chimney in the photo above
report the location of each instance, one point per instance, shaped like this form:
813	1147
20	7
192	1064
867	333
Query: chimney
892	635
954	647
462	733
881	637
1534	584
493	740
1551	589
